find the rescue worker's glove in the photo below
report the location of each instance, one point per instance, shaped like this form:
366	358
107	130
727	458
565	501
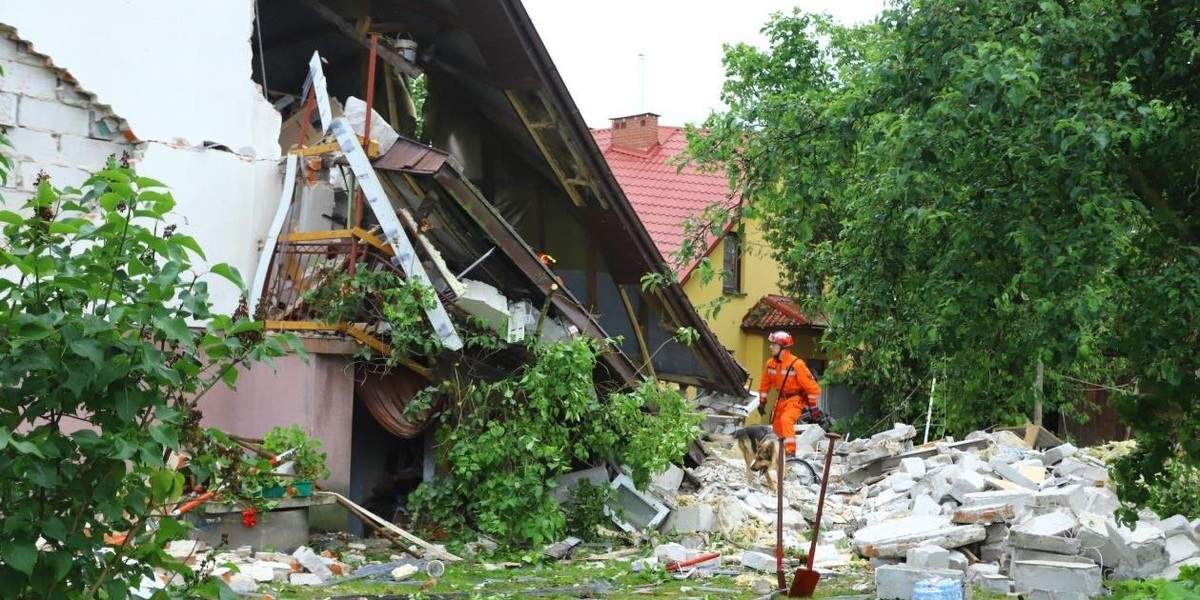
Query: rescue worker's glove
762	408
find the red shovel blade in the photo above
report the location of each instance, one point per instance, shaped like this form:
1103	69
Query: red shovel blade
804	583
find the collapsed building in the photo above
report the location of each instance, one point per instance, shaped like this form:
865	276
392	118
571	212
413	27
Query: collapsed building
508	174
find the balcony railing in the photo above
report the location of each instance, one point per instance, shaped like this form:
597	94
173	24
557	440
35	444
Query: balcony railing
304	262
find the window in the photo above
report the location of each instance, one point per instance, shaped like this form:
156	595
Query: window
731	278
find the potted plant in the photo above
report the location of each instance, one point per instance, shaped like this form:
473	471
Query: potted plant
293	445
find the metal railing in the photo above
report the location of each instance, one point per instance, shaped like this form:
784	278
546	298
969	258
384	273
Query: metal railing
302	263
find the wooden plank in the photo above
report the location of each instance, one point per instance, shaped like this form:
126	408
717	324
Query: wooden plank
435	550
535	133
370	238
637	330
318	236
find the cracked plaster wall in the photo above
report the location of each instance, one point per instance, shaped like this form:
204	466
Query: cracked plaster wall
180	75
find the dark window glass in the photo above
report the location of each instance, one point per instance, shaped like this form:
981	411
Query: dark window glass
731	282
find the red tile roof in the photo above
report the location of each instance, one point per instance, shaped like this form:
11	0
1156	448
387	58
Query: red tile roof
663	195
778	312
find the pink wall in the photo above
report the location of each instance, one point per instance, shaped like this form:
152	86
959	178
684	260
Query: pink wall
317	396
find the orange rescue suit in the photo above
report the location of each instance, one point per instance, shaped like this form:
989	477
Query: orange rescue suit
797	389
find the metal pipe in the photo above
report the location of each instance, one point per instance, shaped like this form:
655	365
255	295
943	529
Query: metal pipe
476	263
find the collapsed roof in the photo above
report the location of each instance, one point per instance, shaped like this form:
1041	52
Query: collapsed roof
518	156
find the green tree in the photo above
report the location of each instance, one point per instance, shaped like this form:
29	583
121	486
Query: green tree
107	341
982	186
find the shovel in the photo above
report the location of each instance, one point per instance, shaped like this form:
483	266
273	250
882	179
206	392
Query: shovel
805	581
780	577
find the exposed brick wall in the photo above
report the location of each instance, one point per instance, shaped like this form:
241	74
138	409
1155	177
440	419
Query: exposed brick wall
637	132
52	125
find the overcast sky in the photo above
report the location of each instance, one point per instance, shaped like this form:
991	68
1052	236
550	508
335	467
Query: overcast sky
596	45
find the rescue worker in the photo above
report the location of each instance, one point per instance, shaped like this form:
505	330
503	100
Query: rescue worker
798	391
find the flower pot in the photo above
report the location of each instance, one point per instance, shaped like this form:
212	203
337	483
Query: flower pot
302	489
274	491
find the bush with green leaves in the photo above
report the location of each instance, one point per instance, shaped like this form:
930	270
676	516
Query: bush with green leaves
107	341
511	437
1176	493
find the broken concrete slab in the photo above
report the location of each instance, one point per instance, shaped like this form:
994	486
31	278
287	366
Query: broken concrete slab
898	581
1012	474
967	482
312	562
1029	554
1045	543
1143	551
1180	548
994	583
1070	496
669	480
1056	454
1083	467
1055	576
1176	525
1059	522
1020	499
758	561
913	467
1095	541
893	537
925	505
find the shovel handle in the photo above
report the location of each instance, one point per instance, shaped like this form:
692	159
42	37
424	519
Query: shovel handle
679	564
191	504
779	456
812	548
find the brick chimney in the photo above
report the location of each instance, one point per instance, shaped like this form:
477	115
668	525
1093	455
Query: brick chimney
637	132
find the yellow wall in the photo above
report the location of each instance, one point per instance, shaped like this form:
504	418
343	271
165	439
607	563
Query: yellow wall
760	276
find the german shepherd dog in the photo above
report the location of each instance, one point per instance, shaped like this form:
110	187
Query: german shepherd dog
759	446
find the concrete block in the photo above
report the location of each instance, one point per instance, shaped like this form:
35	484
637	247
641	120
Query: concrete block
1058	522
672	552
996	533
1172	572
985	514
1056	576
695	518
71	96
1020	500
86	152
1142	552
758	561
1028	554
8	108
259	572
1094	539
914	467
643	564
994	583
941	460
36	146
732	514
52	115
1045	543
967	482
242	583
9	49
639	510
1083	467
930	557
1176	525
898	433
980	569
1180	548
992	553
808	436
1101	501
305	579
897	581
925	505
35	81
486	302
1055	455
901	482
1070	496
958	561
312	562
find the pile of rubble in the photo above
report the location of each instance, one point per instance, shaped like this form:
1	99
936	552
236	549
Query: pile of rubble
244	570
989	511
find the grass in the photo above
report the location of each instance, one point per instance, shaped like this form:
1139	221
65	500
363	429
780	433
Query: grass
571	579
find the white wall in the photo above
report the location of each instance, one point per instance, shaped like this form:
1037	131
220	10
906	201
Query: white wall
179	74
